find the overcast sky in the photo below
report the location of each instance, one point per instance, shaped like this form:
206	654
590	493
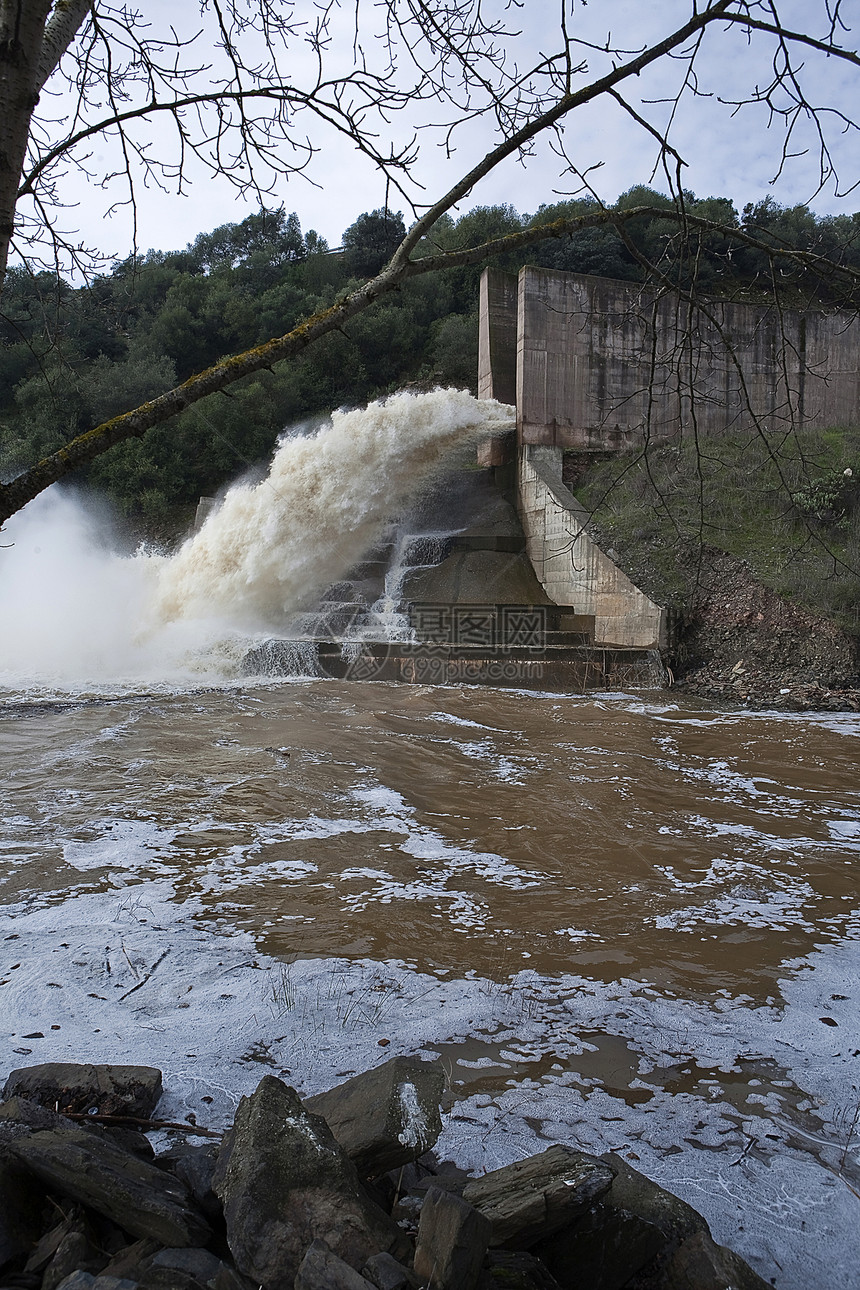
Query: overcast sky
727	153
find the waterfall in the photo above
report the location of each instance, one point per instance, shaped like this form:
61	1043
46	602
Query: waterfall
75	612
271	546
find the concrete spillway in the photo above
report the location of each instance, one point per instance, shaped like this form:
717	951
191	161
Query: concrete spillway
447	605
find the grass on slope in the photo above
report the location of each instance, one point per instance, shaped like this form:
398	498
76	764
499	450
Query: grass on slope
790	506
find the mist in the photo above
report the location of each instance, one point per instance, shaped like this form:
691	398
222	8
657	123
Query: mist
76	611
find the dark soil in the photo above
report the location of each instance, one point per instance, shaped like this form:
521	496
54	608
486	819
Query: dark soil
740	642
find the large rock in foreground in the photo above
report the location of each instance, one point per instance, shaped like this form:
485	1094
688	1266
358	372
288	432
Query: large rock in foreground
641	1236
284	1181
81	1087
531	1199
135	1195
452	1241
387	1116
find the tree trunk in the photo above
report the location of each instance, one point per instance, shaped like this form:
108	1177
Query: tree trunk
22	27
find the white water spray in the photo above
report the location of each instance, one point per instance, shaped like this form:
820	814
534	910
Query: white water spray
327	498
73	612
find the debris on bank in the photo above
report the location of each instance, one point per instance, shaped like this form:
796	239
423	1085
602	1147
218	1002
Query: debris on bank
339	1192
740	642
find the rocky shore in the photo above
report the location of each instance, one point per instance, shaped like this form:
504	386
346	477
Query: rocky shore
740	643
339	1192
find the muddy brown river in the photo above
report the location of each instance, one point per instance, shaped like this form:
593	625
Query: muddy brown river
622	921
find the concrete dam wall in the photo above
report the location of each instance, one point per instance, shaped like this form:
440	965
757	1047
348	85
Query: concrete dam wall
595	365
598	365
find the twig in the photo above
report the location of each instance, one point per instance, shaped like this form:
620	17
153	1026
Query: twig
160	959
141	1121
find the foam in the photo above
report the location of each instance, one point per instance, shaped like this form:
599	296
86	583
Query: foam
77	615
137	976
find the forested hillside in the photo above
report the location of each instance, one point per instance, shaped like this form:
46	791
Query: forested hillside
72	357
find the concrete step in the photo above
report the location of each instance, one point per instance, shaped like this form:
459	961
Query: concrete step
562	619
367	569
563	640
332	619
489	542
494	625
563	668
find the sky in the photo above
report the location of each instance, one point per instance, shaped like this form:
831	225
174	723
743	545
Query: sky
727	152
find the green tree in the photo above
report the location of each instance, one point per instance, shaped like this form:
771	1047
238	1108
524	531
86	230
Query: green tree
371	241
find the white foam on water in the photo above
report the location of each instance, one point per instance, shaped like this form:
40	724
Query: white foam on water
76	614
138	976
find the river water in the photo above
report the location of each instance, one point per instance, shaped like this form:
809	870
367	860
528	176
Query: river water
624	922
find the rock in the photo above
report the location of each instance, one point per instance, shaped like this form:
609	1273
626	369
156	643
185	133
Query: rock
386	1117
384	1272
32	1115
129	1139
45	1248
284	1181
229	1279
320	1269
135	1195
698	1263
517	1270
181	1269
9	1131
607	1248
452	1241
74	1250
80	1087
86	1281
634	1192
132	1260
453	1182
623	1232
407	1210
529	1200
194	1165
21	1202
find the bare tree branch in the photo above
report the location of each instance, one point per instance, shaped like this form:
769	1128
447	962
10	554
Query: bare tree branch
63	26
241	124
86	447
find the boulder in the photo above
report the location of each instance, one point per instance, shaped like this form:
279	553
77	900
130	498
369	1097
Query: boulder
135	1195
73	1247
517	1270
21	1203
194	1165
229	1279
131	1261
31	1115
632	1229
385	1273
531	1199
320	1269
386	1117
181	1269
284	1181
452	1241
698	1263
81	1087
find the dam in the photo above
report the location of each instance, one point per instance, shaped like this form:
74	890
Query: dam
494	576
